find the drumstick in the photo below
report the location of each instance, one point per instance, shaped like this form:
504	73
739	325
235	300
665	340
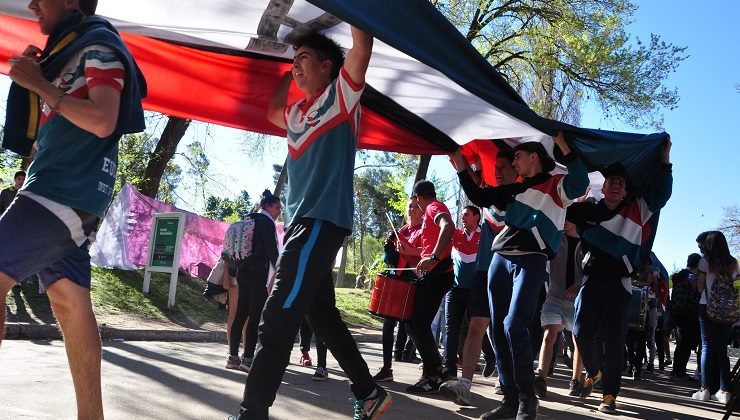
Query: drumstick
395	232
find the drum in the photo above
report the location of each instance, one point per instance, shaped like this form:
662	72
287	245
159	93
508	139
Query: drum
393	297
637	311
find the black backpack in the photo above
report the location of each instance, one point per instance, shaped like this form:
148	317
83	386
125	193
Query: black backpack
684	297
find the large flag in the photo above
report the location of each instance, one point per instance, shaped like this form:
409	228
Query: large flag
429	91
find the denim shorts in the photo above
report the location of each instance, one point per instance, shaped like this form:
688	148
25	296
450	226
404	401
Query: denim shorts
40	236
558	314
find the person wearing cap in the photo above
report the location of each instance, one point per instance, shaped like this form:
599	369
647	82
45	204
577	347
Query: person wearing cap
435	267
611	236
535	215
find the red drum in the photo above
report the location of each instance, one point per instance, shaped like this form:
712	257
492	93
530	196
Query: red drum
393	297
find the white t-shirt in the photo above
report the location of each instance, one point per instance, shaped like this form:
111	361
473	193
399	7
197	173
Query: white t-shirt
704	268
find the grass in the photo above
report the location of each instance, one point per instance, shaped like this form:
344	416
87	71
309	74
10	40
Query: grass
117	293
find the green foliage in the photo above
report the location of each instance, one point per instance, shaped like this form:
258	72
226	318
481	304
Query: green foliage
134	151
557	52
353	304
227	209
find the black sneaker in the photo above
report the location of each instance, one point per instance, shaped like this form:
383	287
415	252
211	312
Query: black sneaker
425	386
489	369
371	409
384	375
573	386
540	387
528	407
507	410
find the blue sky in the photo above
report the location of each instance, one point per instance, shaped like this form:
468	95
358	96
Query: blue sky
703	128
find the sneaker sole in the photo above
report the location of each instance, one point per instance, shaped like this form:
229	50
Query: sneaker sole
317	379
449	395
386	379
244	369
383	408
232	367
607	410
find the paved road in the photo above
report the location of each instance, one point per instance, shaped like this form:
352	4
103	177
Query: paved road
164	380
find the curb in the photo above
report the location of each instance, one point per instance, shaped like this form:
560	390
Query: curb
26	331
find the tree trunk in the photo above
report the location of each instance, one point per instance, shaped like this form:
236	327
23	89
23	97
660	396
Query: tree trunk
163	153
281	179
421	171
342	270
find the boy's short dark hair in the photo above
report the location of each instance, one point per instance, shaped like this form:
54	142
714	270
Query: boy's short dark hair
693	260
325	48
88	7
19	173
424	189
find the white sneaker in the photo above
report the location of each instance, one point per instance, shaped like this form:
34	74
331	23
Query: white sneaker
721	397
456	393
701	395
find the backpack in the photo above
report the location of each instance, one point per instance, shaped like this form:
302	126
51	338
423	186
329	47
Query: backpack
684	297
238	242
722	305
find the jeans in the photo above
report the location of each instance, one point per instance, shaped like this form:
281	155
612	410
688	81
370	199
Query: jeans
601	317
514	283
456	302
714	361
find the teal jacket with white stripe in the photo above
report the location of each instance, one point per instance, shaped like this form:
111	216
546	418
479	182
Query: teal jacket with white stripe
535	208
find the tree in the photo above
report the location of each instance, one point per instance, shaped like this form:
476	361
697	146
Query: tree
132	152
583	43
731	226
227	209
163	153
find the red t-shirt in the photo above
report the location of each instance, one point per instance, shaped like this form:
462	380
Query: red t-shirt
412	235
430	231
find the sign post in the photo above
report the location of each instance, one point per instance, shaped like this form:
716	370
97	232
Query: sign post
165	242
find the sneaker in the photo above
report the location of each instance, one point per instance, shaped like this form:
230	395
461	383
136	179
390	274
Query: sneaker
233	362
424	386
636	375
608	404
489	369
384	375
373	408
246	364
497	389
587	386
528	407
507	410
321	374
305	359
456	393
540	387
701	395
722	397
573	386
668	362
650	368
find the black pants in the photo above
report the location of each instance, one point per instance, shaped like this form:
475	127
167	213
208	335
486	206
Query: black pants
252	297
305	344
636	346
428	296
687	338
304	288
403	341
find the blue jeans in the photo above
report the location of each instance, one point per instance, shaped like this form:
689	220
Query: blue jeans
456	302
714	361
514	283
601	317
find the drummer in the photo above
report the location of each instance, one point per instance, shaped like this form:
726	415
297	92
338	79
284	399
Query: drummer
436	268
611	233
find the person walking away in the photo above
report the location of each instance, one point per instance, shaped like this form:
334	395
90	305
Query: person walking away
252	276
717	272
685	298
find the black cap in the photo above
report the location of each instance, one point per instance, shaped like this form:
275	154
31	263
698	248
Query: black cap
547	163
615	170
424	188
